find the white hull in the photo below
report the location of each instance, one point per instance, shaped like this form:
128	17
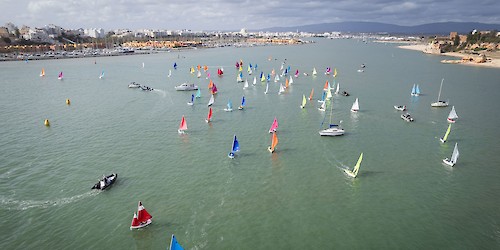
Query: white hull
450	120
400	108
230	155
439	104
354	110
270	150
335	131
350	173
442	140
186	87
181	131
228	110
190	103
141	225
448	162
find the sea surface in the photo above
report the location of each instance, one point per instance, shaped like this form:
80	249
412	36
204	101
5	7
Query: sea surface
295	198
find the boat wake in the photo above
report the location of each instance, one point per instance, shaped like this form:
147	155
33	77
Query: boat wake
162	92
28	204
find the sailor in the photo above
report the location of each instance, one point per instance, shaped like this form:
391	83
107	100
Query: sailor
103	184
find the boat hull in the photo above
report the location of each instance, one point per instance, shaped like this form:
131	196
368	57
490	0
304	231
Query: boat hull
450	120
142	225
331	132
349	173
186	87
111	180
400	108
439	104
230	155
448	162
270	150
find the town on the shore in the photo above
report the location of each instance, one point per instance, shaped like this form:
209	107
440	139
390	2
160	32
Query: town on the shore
53	42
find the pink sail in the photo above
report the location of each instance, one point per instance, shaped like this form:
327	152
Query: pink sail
274	126
183	125
214	89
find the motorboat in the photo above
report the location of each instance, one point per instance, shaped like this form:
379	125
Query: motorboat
146	88
134	85
186	87
344	93
400	107
106	181
407	117
333	130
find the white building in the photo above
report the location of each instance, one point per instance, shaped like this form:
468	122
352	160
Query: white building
94	32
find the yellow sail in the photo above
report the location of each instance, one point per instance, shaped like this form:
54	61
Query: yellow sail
304	101
356	168
263	79
335	72
445	137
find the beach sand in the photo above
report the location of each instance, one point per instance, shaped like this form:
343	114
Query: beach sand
493	58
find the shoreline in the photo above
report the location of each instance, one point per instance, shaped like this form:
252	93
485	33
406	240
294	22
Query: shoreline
493	58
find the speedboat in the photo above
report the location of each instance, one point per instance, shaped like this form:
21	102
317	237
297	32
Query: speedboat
106	181
134	85
146	88
333	130
344	93
400	107
186	87
407	117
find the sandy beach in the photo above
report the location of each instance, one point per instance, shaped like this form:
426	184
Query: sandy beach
493	58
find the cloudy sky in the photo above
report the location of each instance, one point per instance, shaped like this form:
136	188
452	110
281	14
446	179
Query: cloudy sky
236	14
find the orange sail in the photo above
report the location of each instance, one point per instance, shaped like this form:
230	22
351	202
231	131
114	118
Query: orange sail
286	83
210	84
311	95
326	85
274	142
43	72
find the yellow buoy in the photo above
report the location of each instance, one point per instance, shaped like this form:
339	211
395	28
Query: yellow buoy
68	101
47	123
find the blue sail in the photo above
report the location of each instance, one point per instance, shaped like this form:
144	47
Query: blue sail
243	101
192	98
229	105
323	96
250	65
241	74
198	94
175	65
256	68
261	73
236	145
174	245
268	77
417	90
413	90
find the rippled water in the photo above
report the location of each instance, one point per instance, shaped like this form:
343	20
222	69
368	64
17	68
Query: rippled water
295	198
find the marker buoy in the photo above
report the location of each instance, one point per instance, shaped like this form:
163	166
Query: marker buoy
68	101
47	123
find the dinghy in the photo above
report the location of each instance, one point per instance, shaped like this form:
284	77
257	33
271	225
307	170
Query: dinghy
445	137
235	147
229	106
452	117
454	157
355	171
355	106
242	106
106	182
209	116
438	102
174	245
274	142
142	218
274	126
183	126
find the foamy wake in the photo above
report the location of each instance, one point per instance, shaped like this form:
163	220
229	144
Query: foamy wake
28	204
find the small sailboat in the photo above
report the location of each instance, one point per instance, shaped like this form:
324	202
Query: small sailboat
169	73
42	73
415	90
174	245
296	73
304	101
142	218
192	100
328	94
143	65
229	106
355	171
198	74
291	79
245	86
249	70
311	95
314	72
214	89
445	137
209	116
242	106
267	88
60	76
454	157
328	71
440	103
175	65
239	77
400	107
211	101
262	77
276	78
335	72
101	75
287	83
254	80
323	106
274	143
183	126
282	89
274	126
337	90
327	86
198	93
355	106
235	147
452	117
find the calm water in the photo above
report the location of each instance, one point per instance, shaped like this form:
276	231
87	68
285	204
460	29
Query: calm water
298	197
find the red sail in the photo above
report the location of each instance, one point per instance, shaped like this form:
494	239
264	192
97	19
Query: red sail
135	221
142	214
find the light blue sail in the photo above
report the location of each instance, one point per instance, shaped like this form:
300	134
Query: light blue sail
174	245
198	94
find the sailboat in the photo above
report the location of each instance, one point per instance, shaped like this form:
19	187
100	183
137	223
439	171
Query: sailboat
254	80
42	73
452	117
142	218
229	106
60	76
209	116
415	90
355	106
355	171
235	147
328	94
328	71
291	79
327	86
282	89
101	75
445	137
311	95
304	101
274	142
287	83
174	245
314	72
296	73
276	78
183	126
198	74
198	94
274	126
262	77
239	77
454	157
143	65
192	100
333	129
267	88
214	89
440	103
323	106
337	90
242	106
175	65
249	70
211	101
245	86
169	73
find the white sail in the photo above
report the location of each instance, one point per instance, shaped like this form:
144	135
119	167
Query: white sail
211	101
355	106
454	157
282	89
440	103
267	88
254	80
337	91
453	114
245	86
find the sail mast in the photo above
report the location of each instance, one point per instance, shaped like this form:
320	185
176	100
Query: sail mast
440	87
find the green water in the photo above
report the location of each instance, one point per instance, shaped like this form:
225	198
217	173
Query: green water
298	197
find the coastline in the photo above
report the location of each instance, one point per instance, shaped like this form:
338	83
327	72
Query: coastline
493	58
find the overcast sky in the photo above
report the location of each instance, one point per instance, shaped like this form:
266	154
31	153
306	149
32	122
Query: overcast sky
236	14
